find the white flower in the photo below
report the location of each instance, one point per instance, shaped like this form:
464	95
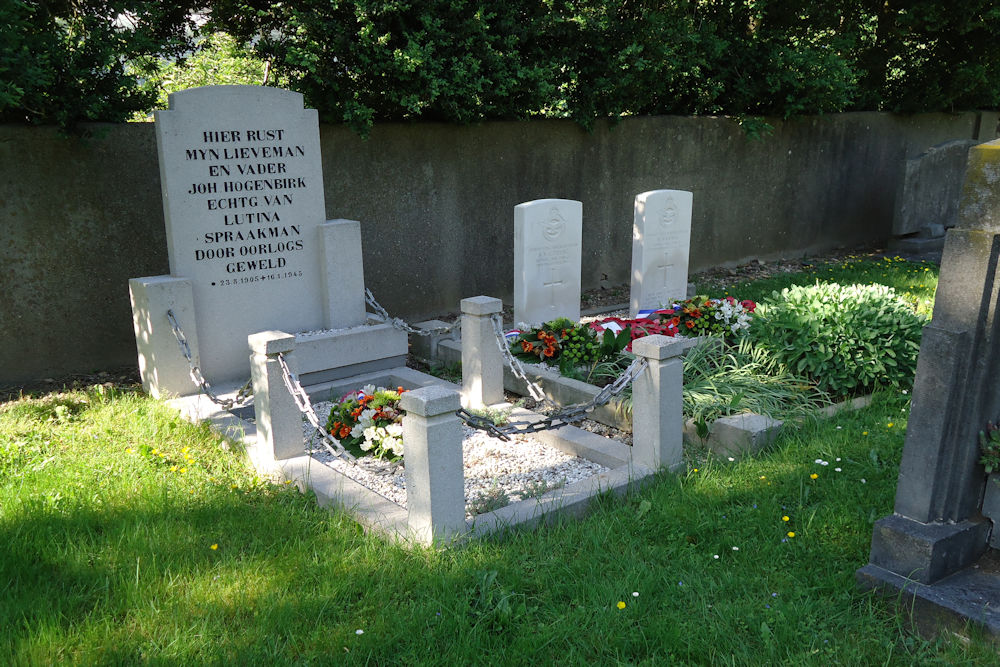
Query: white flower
358	429
394	429
369	389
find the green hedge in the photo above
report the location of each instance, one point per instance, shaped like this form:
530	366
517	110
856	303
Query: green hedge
362	61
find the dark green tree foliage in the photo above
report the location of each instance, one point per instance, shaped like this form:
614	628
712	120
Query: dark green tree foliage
77	60
362	61
450	60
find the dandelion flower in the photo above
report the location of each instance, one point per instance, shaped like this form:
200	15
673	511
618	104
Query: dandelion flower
890	425
214	547
813	476
621	605
864	433
785	518
791	533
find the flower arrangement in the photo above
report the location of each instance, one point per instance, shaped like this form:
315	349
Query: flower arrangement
562	340
369	421
700	316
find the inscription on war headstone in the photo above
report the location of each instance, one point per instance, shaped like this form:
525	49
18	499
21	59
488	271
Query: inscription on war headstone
242	185
661	247
548	242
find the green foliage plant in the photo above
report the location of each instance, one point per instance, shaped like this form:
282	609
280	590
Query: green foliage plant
63	63
847	339
989	446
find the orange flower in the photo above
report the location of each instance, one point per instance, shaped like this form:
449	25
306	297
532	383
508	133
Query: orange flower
399	390
549	352
344	432
690	325
526	346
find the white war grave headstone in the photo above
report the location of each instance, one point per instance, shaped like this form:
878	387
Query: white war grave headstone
242	185
661	247
548	243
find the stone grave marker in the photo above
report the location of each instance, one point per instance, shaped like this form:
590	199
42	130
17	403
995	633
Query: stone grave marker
661	247
242	185
932	547
548	243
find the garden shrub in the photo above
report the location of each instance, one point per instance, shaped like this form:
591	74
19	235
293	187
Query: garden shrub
847	339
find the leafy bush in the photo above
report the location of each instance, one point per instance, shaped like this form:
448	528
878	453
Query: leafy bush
66	62
847	339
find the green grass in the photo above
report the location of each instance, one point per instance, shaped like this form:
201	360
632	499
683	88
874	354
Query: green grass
914	281
110	506
107	558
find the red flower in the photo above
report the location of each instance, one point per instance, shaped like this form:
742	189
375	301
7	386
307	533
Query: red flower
690	325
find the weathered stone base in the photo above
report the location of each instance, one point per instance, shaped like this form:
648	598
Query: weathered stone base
927	552
966	602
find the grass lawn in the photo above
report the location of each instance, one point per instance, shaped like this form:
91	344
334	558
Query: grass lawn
128	535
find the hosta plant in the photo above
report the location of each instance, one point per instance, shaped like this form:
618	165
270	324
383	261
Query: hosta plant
847	339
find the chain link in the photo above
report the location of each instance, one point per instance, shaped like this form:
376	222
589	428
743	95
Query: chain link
304	405
242	395
516	367
402	325
563	417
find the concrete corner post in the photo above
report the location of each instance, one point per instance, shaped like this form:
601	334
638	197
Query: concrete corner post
658	402
435	474
482	363
279	422
164	370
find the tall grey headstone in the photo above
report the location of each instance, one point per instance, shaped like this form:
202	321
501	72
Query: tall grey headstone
937	530
548	243
242	186
661	247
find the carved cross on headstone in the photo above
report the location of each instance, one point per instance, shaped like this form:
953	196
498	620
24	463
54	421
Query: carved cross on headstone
554	281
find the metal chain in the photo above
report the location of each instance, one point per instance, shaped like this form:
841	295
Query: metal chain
332	446
516	367
402	325
304	405
568	415
242	395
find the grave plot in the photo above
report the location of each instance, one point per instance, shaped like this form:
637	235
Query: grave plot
251	260
547	259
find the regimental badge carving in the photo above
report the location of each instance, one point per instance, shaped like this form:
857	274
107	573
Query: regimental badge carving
669	212
555	225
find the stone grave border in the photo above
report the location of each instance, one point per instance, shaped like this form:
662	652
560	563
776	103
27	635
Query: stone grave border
736	435
436	507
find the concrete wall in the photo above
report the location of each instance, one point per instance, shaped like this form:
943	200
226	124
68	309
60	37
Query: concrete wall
79	217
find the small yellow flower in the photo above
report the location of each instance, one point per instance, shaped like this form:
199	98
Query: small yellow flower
173	468
864	433
214	547
763	477
890	424
813	476
184	469
791	533
785	518
695	470
621	605
129	450
185	449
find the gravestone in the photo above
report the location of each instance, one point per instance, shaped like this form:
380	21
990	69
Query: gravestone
248	243
928	196
661	246
548	243
932	546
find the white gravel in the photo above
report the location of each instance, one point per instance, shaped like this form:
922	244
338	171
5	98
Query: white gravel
520	468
